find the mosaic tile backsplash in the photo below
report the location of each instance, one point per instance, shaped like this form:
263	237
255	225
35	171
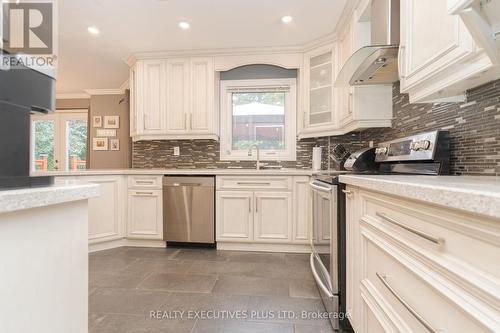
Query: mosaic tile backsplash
474	128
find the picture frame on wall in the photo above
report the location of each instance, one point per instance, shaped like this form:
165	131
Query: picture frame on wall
114	144
100	144
111	121
97	121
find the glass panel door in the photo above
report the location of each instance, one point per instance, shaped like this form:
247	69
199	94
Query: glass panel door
74	127
44	144
59	141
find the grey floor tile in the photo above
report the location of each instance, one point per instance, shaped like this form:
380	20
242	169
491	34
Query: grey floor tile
126	301
179	282
303	289
297	258
221	267
299	328
222	302
238	326
109	263
248	285
200	254
257	257
102	279
121	323
184	301
148	252
287	310
158	265
282	271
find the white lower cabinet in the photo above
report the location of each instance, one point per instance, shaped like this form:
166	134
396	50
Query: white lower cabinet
234	216
409	267
266	212
273	217
145	217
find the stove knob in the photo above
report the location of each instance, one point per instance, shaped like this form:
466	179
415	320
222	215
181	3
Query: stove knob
425	144
381	151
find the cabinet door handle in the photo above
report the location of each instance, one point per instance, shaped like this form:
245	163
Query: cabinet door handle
252	183
347	191
417	316
249	205
256	205
435	240
144	193
400	61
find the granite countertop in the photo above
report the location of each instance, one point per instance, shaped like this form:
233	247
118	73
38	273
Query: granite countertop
235	171
474	194
21	199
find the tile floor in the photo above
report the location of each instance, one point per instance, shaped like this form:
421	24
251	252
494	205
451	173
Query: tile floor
127	284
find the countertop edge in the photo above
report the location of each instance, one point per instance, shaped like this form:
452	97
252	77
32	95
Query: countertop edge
24	199
215	172
464	199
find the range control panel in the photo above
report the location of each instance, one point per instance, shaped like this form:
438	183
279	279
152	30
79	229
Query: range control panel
420	147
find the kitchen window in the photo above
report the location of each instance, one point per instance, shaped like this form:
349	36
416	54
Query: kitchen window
260	112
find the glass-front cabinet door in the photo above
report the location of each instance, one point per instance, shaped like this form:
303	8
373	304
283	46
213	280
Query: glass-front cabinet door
319	75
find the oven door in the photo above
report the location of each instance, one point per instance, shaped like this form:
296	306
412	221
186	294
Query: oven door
324	236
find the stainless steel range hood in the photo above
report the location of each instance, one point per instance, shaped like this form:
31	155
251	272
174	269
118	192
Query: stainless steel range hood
377	63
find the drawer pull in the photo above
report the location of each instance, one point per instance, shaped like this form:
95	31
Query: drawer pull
421	320
148	182
144	193
435	240
251	183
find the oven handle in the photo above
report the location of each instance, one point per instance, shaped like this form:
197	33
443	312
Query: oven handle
320	188
317	278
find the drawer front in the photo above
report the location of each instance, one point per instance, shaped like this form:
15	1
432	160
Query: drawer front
412	294
143	182
260	183
455	240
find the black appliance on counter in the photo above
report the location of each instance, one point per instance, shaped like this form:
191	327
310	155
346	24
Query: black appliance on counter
23	91
423	154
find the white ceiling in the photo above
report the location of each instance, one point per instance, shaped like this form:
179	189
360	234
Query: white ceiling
129	26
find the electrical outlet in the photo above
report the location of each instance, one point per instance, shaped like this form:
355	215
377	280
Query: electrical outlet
370	144
177	151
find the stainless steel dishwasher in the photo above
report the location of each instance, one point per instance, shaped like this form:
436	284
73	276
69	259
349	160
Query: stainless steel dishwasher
189	210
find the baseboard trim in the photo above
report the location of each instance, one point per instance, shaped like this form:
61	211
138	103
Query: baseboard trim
290	248
126	242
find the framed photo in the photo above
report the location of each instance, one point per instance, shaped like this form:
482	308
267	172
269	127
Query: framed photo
111	121
102	132
100	144
97	121
114	144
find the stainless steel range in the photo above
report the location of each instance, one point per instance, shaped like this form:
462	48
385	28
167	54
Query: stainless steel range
425	154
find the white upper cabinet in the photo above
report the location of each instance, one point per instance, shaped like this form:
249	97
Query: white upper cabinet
438	57
173	99
319	68
202	116
337	111
177	95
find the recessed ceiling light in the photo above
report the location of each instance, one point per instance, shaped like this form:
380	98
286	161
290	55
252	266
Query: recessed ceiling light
184	25
286	19
93	30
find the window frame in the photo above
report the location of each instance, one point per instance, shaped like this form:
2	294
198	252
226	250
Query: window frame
226	121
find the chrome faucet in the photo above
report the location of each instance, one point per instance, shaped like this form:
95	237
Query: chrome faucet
258	154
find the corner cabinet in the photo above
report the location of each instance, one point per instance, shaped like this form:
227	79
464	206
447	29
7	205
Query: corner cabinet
439	67
173	99
329	110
